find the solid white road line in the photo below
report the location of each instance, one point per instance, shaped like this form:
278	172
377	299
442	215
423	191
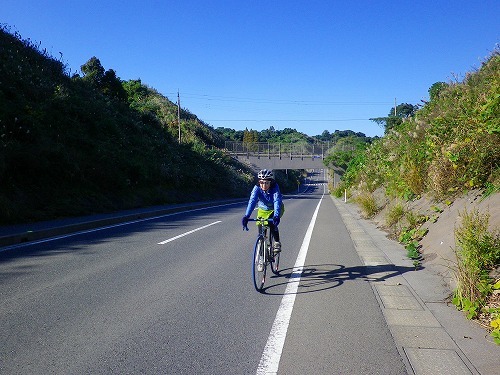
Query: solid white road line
185	234
270	359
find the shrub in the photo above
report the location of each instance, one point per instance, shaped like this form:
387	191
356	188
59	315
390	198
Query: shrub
367	203
477	251
395	214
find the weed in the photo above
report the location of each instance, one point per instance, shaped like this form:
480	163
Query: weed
413	234
477	251
395	214
437	209
409	238
368	204
339	190
490	189
494	316
434	218
415	220
412	250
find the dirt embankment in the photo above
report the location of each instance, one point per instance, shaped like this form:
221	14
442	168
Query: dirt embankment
437	246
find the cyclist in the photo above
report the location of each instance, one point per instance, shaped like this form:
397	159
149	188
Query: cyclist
268	199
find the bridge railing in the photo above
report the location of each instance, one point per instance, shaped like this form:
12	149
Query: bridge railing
279	150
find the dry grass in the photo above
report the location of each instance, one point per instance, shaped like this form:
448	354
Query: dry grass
367	203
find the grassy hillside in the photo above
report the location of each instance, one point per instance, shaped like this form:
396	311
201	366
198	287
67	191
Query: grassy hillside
93	143
450	145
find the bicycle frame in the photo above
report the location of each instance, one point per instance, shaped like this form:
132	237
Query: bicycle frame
263	253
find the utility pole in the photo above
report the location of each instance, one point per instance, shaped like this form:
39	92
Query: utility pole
395	107
179	114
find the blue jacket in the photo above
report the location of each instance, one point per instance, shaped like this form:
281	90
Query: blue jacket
270	200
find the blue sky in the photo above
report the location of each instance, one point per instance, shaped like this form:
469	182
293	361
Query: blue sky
308	65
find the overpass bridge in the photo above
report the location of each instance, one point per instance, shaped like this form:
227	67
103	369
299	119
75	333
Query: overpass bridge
267	155
260	155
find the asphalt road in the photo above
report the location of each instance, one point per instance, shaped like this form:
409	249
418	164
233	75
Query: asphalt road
174	295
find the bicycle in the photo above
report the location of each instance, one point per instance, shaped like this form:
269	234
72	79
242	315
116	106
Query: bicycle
263	254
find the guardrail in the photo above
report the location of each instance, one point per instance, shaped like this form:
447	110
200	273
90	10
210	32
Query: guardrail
278	150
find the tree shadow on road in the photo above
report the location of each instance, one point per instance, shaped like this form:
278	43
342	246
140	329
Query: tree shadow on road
315	278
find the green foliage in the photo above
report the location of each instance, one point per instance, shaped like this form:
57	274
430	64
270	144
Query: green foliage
476	245
393	120
495	317
477	251
230	134
344	150
409	235
367	203
412	250
338	191
250	139
450	145
339	159
354	170
437	209
394	214
288	180
415	220
338	135
410	238
344	140
436	89
470	308
92	143
489	190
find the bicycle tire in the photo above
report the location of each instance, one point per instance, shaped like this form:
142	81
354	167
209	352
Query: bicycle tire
275	264
274	258
259	277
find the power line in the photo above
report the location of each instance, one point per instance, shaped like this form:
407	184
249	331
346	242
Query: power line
277	101
294	120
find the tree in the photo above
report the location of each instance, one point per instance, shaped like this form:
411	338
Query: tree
344	151
105	81
325	136
93	72
136	91
267	134
403	111
436	88
112	86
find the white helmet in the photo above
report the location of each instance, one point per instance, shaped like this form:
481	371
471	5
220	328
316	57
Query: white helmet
265	174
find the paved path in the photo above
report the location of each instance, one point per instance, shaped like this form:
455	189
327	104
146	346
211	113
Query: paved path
431	335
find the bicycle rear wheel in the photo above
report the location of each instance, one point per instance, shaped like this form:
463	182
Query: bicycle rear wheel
259	265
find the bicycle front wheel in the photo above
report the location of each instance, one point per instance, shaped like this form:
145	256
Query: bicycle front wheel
275	263
259	265
274	258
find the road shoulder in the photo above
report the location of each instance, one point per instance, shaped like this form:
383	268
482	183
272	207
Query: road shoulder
432	335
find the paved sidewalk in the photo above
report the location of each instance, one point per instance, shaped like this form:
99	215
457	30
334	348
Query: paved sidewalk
431	335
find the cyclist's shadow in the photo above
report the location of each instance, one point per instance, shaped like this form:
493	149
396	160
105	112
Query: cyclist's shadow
318	277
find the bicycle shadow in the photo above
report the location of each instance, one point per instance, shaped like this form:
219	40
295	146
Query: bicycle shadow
316	278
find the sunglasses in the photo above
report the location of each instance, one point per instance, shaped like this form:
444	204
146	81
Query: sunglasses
265	182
